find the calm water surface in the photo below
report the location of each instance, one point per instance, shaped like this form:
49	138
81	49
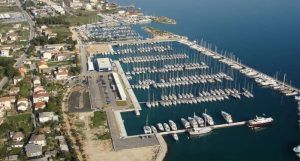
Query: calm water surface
265	35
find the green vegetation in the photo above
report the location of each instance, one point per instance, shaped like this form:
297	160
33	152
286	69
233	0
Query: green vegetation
7	69
59	63
21	122
156	32
104	136
164	20
25	88
54	105
9	9
81	17
98	119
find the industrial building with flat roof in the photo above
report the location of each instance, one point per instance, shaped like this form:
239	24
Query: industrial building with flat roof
104	65
120	87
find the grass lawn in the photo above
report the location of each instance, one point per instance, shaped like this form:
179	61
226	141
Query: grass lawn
82	17
21	122
62	30
98	119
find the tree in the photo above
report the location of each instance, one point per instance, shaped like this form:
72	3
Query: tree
11	72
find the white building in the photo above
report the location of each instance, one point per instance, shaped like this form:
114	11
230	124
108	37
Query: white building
47	116
104	64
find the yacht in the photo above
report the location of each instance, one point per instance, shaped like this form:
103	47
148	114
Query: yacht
153	128
297	149
185	123
260	122
199	120
297	98
208	119
199	130
172	125
167	127
193	122
147	130
160	127
175	136
226	116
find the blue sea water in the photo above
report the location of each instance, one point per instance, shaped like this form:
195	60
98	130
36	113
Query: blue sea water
264	35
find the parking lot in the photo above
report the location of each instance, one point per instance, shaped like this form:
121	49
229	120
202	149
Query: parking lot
79	100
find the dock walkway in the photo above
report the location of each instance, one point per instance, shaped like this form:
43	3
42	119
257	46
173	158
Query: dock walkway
135	102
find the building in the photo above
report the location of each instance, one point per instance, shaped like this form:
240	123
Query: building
120	89
40	97
4	52
36	80
22	104
47	116
62	143
5	103
43	67
62	73
14	90
104	65
38	139
46	55
17	136
33	150
12	158
39	106
17	79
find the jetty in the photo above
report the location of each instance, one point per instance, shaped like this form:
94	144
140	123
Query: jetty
128	88
287	89
241	123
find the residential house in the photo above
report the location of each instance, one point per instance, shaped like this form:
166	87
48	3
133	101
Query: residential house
62	74
22	71
13	37
14	91
16	136
47	116
5	103
36	80
4	52
43	67
38	139
62	143
12	158
46	55
33	150
17	79
40	97
22	104
39	106
38	89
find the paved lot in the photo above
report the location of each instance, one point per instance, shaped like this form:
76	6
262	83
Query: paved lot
128	143
74	104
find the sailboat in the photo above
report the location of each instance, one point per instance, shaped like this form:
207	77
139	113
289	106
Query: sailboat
200	130
147	129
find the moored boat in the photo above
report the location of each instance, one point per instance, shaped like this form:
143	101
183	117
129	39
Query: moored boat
175	136
153	128
147	130
199	130
226	116
160	127
167	127
172	125
185	123
208	119
260	122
